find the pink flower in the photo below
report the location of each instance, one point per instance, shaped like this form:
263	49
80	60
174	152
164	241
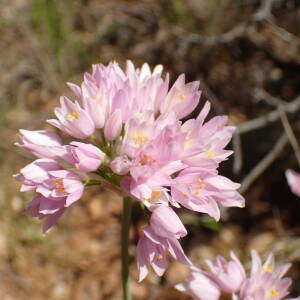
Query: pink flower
41	143
121	165
113	125
73	120
136	120
165	223
200	287
85	157
46	177
203	191
182	98
36	173
42	207
293	179
266	282
206	141
151	249
229	275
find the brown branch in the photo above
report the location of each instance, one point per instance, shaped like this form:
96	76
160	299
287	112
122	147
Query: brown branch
262	94
289	132
238	153
273	116
262	15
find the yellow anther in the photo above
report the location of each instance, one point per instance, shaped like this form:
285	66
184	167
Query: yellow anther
58	182
202	185
155	195
145	159
139	140
180	94
197	193
61	190
159	257
267	268
182	97
186	142
186	145
199	180
272	294
210	155
73	115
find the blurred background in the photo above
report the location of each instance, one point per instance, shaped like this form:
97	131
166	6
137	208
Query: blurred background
246	53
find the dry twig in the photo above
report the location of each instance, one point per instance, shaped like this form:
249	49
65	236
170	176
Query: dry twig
289	132
273	116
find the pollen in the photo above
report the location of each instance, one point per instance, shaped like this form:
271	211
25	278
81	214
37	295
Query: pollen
61	190
267	268
155	195
72	116
139	140
199	180
202	185
186	142
59	186
210	155
180	94
272	294
145	159
197	193
159	257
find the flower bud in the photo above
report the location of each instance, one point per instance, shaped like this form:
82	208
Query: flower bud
41	143
85	157
120	165
113	126
166	223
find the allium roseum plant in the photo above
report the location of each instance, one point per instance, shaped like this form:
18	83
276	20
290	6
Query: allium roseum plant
228	278
132	135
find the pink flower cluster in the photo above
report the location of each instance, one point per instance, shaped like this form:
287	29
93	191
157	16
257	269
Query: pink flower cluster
229	278
134	135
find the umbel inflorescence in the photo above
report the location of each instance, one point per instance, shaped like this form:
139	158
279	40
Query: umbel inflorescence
132	135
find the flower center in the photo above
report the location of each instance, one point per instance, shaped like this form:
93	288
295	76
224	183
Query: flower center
59	186
139	140
145	159
72	116
272	294
197	187
155	195
180	94
159	257
187	143
267	268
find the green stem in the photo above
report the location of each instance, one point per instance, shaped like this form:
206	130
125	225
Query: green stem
126	218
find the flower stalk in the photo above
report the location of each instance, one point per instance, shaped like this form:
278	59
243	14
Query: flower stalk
126	218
